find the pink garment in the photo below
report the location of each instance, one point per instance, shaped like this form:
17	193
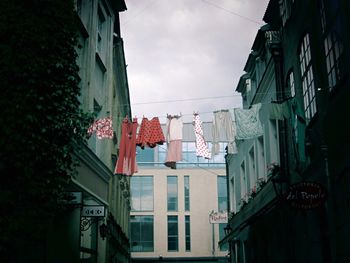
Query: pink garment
102	127
174	141
201	145
174	153
126	163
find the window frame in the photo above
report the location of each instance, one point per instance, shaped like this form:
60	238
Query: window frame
187	205
175	193
307	77
134	195
171	220
142	219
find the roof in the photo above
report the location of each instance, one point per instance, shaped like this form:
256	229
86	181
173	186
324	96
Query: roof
118	5
271	15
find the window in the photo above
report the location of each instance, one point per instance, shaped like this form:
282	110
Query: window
141	193
261	157
333	50
172	193
307	78
141	233
221	236
100	30
187	233
252	169
333	44
290	84
173	238
187	192
222	193
243	183
285	10
145	157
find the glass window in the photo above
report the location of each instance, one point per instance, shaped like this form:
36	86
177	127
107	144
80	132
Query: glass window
141	193
307	78
333	44
141	233
145	157
173	238
100	30
172	193
290	83
187	233
222	193
187	192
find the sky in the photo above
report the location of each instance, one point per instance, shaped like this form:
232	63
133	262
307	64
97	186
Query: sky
186	56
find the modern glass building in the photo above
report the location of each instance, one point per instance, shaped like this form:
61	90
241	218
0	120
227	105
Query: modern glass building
170	208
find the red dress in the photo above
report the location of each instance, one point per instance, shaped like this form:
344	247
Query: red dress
126	163
150	133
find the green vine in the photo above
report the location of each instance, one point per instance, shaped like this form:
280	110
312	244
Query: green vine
41	120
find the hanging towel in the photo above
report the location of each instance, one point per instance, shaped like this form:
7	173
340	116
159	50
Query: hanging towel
201	145
223	125
126	164
150	133
248	125
102	127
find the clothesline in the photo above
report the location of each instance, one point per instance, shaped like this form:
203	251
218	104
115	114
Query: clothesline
231	110
150	134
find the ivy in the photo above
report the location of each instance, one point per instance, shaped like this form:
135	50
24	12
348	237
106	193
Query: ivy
41	122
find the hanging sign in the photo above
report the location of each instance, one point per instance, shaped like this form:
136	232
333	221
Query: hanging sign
306	195
218	217
93	211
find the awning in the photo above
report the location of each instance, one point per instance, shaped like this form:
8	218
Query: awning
264	201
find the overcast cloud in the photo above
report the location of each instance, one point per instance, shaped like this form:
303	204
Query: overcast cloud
179	50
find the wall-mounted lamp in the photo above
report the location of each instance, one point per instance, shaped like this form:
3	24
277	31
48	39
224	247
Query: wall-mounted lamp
227	229
104	231
279	182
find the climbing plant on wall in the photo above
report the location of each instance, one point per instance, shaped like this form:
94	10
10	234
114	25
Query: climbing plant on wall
41	123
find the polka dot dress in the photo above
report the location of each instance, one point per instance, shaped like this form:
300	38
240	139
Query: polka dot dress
150	133
201	145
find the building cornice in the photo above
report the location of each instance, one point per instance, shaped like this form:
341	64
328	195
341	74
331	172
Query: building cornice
90	159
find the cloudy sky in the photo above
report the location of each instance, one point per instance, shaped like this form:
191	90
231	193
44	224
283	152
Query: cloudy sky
187	55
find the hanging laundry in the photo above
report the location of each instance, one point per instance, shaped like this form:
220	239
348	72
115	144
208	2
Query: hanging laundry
248	123
201	145
279	111
174	127
223	124
102	127
150	133
126	163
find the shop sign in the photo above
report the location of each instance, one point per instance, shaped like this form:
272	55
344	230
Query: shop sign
93	211
218	217
306	195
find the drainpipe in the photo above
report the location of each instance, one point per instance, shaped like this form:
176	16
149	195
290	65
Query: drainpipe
228	200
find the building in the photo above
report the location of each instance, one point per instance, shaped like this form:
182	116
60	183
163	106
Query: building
299	59
171	207
96	225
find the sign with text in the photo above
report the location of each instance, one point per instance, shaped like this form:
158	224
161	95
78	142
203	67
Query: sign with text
306	195
93	211
218	217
